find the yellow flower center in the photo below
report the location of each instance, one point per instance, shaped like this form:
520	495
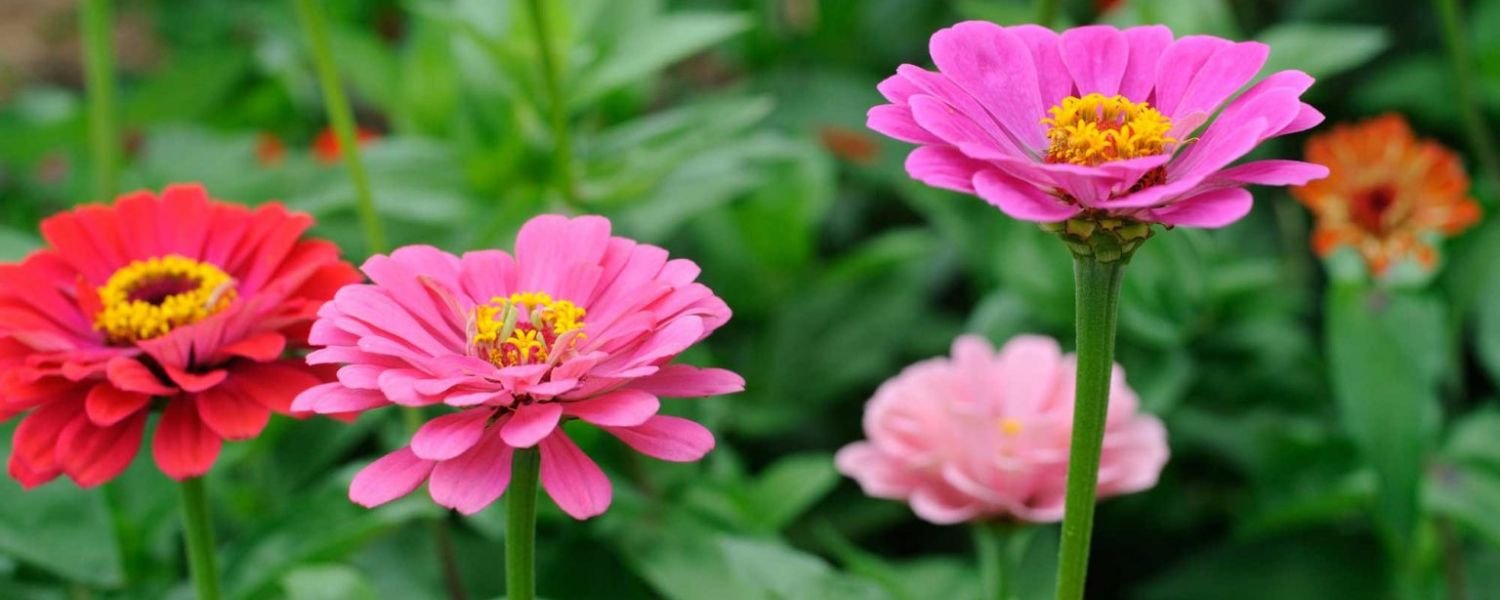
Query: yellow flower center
526	328
1096	129
148	298
1010	427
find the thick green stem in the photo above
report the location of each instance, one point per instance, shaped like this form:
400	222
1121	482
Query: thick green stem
1000	548
520	526
99	74
341	118
562	142
1046	12
198	532
1464	76
1097	297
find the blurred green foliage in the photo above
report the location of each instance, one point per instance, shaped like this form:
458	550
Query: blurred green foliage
1330	439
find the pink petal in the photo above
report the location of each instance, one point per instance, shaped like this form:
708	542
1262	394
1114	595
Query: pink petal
474	480
572	479
954	128
1210	210
388	478
332	398
1177	67
897	122
684	381
1096	56
450	435
108	405
1021	200
184	446
996	68
620	408
1052	75
667	438
530	423
1146	46
944	167
1274	172
1223	74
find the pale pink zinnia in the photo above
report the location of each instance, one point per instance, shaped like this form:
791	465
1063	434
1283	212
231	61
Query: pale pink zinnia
984	435
577	325
1096	122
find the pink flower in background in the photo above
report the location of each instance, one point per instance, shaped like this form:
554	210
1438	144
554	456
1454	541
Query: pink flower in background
178	302
577	325
984	435
1096	122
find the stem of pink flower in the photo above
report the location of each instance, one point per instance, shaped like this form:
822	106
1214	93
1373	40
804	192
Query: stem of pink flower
341	118
198	532
99	73
562	143
520	525
1455	37
1097	298
1000	547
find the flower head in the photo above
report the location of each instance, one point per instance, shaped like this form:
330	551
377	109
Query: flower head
175	301
577	325
984	435
1388	191
1096	123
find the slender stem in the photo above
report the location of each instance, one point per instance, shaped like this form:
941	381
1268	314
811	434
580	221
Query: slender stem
520	528
341	118
1097	298
1455	37
1000	547
1046	12
562	143
448	559
198	532
99	74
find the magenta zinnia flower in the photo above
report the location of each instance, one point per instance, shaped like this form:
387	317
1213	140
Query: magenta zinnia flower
1096	122
179	299
984	435
577	325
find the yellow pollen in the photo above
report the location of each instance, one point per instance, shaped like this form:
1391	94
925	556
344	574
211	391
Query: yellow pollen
1096	129
524	328
1009	426
148	298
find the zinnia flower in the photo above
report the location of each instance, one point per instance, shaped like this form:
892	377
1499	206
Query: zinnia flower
577	325
985	435
174	301
1388	194
327	148
1096	122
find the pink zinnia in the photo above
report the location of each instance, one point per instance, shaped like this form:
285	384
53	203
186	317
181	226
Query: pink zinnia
985	435
1096	122
577	325
179	299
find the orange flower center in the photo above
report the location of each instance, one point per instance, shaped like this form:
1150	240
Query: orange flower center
149	298
1371	209
525	328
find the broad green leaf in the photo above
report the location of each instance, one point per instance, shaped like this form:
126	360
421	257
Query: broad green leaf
784	573
15	245
1380	349
327	582
645	50
1306	567
61	529
789	487
1322	50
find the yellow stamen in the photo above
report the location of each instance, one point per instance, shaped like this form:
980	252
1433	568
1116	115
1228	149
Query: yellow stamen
1009	426
524	328
148	298
1096	129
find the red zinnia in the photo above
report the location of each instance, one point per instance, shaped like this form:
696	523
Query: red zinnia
178	298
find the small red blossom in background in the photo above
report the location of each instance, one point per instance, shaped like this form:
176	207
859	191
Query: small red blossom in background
326	146
1387	191
848	144
269	149
174	301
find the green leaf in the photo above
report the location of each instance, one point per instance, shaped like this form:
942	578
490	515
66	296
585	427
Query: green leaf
784	573
61	529
1380	348
1322	50
1306	567
647	49
789	487
324	582
15	245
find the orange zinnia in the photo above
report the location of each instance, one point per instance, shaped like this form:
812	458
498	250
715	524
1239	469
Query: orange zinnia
1387	192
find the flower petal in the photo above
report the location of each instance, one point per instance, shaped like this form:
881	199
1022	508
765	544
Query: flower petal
1021	200
530	423
92	455
231	413
685	381
667	438
184	446
572	479
1210	210
388	478
473	480
620	408
108	405
450	435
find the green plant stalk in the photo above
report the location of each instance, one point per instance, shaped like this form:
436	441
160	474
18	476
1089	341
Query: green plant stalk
1097	297
1000	547
341	118
520	526
198	532
1468	95
99	76
562	141
1046	12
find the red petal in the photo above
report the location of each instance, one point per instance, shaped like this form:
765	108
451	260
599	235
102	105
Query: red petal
108	405
92	455
260	347
35	440
231	413
195	382
184	446
130	375
275	385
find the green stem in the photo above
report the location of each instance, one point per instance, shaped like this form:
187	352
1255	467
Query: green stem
198	532
1478	131
1001	546
1046	12
562	143
99	74
341	118
1097	298
520	529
